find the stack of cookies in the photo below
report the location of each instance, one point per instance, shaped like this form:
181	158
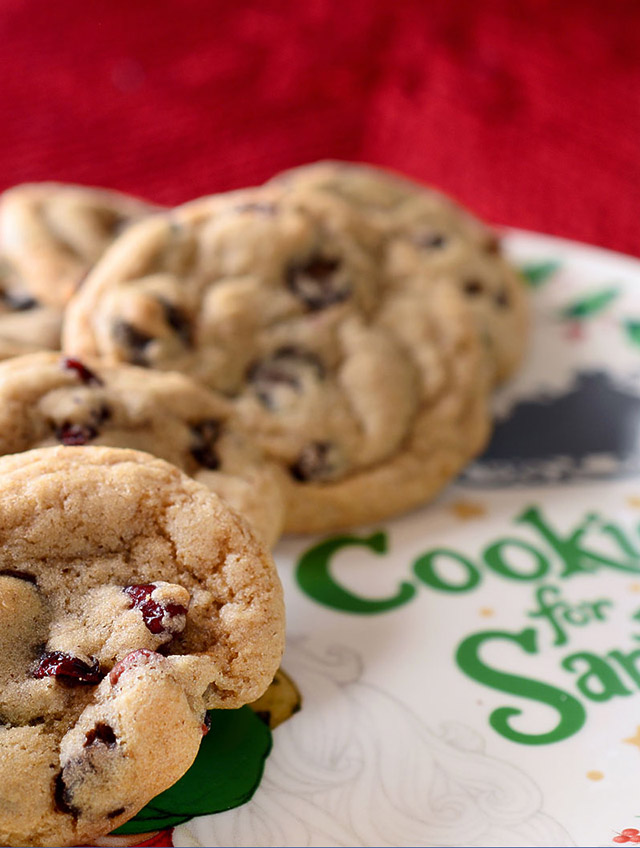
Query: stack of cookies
303	356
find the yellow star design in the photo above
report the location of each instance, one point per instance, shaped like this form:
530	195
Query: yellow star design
486	612
634	740
466	510
633	501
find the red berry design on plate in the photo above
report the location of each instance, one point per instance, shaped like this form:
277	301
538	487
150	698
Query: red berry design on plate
157	616
630	831
621	838
163	839
68	669
86	375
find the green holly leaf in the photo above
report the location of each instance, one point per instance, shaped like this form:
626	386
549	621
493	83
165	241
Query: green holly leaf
225	774
633	331
537	273
592	304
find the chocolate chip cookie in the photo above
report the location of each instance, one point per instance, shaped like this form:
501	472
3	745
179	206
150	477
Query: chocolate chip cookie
369	395
423	232
131	600
50	235
48	399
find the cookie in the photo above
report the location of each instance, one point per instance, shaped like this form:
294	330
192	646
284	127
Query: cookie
47	399
369	396
50	235
423	232
131	600
192	289
280	702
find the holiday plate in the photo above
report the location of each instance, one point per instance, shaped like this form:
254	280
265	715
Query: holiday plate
470	672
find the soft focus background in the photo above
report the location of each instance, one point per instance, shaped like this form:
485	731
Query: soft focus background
528	110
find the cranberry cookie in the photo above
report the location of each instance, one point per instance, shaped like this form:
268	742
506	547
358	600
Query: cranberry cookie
50	235
131	600
423	232
369	395
47	399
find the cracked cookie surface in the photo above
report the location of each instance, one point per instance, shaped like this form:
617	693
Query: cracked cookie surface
370	394
47	399
50	236
131	600
424	232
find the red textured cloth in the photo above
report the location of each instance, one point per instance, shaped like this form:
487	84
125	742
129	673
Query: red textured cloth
529	111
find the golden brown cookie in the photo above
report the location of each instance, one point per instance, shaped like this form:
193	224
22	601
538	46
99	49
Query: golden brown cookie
48	399
131	600
50	235
369	394
423	232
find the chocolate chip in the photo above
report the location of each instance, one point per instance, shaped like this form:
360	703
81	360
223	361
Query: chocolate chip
118	224
492	244
473	287
68	668
19	302
85	374
75	434
205	434
62	797
101	734
502	299
133	340
115	813
318	282
102	414
430	240
285	367
317	461
177	320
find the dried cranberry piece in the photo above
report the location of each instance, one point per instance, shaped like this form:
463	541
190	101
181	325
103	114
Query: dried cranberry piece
86	375
133	340
139	657
68	668
318	282
153	612
177	320
317	461
75	434
101	733
206	724
205	434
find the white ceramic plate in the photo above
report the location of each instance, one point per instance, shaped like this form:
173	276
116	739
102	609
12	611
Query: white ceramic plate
496	700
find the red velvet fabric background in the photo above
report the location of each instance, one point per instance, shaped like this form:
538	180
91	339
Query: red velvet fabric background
528	110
